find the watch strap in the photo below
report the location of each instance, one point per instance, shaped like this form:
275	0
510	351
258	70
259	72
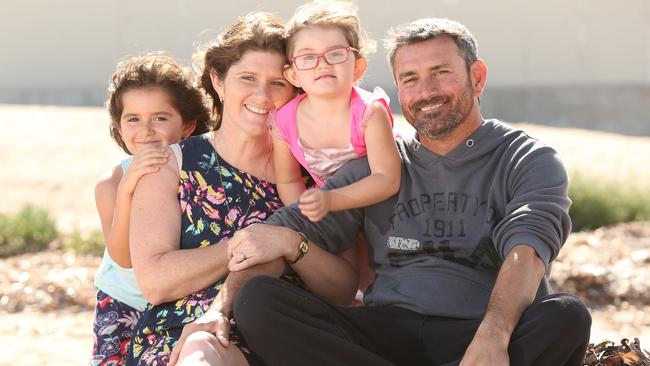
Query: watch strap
303	247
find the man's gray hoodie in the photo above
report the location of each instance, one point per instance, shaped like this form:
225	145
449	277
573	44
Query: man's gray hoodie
438	244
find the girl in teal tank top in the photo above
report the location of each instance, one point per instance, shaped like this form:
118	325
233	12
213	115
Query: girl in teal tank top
152	104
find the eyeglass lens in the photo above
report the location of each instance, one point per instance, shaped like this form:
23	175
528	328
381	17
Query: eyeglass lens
332	57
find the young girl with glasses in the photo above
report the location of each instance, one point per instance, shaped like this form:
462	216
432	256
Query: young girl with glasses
333	121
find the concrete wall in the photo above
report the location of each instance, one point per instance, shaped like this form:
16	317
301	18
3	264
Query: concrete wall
582	63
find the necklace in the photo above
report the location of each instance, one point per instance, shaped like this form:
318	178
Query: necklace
251	201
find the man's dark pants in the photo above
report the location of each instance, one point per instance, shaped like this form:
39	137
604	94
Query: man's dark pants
285	325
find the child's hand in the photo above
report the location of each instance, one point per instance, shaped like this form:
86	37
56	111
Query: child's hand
145	162
314	203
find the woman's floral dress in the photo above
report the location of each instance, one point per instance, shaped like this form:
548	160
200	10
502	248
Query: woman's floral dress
206	220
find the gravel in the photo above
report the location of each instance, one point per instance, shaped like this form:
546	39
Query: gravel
607	268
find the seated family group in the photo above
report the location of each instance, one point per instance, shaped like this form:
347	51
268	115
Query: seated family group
241	232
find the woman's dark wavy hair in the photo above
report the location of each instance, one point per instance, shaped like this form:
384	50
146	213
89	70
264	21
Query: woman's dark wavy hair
258	31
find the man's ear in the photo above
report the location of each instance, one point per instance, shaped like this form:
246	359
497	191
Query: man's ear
188	128
478	75
290	74
217	84
360	65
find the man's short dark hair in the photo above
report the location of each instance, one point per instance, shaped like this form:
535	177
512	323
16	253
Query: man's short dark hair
430	28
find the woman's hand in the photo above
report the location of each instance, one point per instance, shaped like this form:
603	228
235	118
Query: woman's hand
212	321
260	243
145	162
315	204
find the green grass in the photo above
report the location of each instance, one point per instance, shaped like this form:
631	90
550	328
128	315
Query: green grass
599	203
596	203
88	243
33	229
29	230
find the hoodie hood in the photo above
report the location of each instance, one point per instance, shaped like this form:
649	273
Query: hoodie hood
491	135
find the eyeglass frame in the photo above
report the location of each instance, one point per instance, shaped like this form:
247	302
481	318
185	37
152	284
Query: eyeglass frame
319	56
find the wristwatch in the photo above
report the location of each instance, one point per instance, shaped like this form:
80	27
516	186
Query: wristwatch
303	247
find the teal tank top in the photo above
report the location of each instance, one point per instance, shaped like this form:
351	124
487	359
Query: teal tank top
116	281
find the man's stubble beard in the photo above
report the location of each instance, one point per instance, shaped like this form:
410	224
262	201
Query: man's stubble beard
431	127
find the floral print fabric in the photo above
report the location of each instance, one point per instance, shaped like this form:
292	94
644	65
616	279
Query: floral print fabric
113	329
207	182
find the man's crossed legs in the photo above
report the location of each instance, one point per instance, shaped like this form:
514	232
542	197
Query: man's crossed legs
285	325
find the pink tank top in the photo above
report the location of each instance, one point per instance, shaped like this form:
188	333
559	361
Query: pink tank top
323	163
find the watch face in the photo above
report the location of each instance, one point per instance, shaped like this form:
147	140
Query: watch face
304	247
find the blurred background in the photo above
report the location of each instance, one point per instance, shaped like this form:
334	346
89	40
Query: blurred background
573	73
578	63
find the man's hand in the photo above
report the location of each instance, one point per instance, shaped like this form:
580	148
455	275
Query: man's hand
314	203
213	321
486	350
515	288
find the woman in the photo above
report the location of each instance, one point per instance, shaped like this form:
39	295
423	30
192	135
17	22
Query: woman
217	184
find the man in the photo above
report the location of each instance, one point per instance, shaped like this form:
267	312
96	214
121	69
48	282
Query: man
461	254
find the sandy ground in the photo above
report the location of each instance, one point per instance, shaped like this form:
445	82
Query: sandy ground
54	339
52	156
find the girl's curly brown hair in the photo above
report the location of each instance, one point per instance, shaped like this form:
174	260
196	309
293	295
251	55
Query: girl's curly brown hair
156	70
